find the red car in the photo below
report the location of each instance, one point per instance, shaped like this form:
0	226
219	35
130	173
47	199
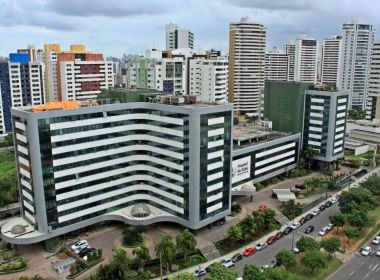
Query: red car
262	207
249	251
302	220
271	240
279	235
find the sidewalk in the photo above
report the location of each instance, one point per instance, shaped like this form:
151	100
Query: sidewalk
264	238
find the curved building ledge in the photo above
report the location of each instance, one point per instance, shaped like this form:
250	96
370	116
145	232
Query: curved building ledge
123	215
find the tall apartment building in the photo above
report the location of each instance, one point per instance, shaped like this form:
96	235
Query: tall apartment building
373	99
208	79
82	77
64	82
357	42
35	55
305	60
276	65
246	65
290	50
22	84
166	75
177	37
330	60
325	123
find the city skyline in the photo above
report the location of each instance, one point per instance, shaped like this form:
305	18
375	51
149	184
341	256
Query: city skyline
134	27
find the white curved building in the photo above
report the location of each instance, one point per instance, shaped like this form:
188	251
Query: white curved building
81	166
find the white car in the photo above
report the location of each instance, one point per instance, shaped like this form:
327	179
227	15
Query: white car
376	240
295	225
323	231
316	212
228	263
261	246
78	244
329	227
366	251
378	253
295	250
334	200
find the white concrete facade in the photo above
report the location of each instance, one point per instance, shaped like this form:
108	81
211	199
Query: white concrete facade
276	65
357	43
208	79
177	37
330	60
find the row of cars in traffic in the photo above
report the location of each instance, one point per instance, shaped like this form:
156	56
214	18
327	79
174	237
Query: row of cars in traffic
369	251
261	246
82	249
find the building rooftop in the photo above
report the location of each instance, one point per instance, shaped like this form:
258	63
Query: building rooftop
248	134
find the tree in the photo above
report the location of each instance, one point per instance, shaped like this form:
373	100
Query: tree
356	199
120	263
268	216
359	219
307	244
9	140
356	114
248	226
277	274
186	243
333	181
338	220
132	235
183	276
258	218
234	233
286	258
314	260
219	272
351	232
307	155
331	245
165	249
141	256
372	184
252	272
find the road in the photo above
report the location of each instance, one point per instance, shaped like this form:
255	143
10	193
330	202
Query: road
261	258
360	267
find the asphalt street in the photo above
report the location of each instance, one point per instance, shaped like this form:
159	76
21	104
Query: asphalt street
263	257
360	267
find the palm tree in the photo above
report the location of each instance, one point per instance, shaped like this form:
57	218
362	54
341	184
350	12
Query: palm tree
307	154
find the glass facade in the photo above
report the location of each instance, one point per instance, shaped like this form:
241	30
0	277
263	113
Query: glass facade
105	162
205	178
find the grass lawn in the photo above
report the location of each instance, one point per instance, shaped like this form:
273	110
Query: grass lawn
303	273
7	162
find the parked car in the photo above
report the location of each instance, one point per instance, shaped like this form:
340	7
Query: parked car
279	235
271	240
366	251
288	230
295	225
237	257
79	244
316	213
328	203
322	207
329	226
309	229
273	263
378	253
262	207
302	220
261	246
334	200
200	272
228	263
295	250
249	251
300	186
85	251
323	231
376	240
308	217
79	249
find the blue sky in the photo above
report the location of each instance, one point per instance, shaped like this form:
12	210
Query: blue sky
129	26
